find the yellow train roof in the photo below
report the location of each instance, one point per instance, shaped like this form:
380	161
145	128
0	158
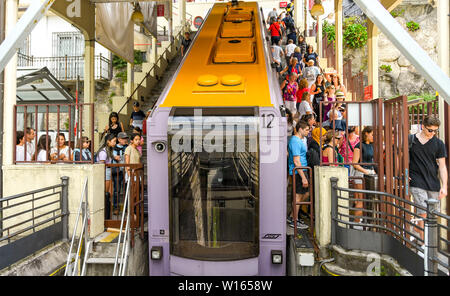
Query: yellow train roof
226	65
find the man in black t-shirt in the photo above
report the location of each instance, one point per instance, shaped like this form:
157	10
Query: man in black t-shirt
426	164
185	43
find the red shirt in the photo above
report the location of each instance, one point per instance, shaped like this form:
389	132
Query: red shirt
300	94
274	29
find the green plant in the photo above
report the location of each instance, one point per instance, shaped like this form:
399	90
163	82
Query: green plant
355	35
329	30
122	75
398	12
386	68
119	63
112	94
412	26
110	101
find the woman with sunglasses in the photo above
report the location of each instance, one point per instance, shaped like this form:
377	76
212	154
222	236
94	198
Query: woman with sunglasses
330	147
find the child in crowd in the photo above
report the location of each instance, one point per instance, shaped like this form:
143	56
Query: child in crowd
138	131
132	155
137	116
20	143
105	155
62	151
85	153
43	149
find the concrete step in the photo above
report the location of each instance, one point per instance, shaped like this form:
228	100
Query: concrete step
103	260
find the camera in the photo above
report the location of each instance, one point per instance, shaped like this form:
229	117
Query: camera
159	146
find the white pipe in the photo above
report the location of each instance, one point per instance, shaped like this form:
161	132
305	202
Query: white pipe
76	226
26	24
407	46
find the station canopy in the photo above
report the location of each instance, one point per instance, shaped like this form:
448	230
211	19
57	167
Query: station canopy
41	87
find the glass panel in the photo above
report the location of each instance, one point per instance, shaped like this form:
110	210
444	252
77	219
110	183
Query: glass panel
214	189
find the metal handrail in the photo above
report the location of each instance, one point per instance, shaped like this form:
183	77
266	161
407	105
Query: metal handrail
150	71
33	208
393	217
84	201
126	239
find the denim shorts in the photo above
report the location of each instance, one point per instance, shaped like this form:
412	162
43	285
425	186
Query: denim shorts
108	174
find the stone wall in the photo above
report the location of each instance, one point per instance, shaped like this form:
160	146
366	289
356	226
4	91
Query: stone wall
404	78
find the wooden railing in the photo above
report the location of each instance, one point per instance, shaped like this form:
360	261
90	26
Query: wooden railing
121	174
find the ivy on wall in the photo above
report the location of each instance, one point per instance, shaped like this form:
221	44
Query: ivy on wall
354	32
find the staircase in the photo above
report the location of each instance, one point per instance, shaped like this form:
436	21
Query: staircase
102	251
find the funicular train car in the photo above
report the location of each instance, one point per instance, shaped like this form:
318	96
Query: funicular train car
217	155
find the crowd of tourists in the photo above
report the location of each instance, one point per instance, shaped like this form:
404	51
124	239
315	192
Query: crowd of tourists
305	86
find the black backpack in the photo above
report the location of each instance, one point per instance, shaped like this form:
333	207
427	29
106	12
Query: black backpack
312	157
411	141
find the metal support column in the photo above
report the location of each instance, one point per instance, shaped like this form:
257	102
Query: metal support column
65	207
431	238
334	208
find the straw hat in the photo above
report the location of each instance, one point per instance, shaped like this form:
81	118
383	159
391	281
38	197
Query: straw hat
340	94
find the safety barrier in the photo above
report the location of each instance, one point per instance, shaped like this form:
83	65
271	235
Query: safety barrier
421	250
51	120
33	220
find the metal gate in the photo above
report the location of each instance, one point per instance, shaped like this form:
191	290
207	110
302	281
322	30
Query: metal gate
392	130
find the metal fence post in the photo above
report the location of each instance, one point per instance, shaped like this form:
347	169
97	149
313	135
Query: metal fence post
65	207
431	239
334	205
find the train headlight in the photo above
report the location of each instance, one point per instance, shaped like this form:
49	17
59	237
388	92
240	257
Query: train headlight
156	253
277	257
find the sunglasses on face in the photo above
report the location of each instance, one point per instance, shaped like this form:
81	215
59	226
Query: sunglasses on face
432	130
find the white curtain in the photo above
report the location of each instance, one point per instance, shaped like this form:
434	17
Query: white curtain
114	28
150	17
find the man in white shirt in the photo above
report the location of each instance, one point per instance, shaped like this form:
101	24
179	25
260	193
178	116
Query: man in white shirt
290	47
30	137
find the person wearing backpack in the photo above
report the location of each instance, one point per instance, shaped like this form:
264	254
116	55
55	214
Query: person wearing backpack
85	153
275	32
290	28
313	154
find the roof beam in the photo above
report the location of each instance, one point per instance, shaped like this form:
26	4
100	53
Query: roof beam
375	11
36	10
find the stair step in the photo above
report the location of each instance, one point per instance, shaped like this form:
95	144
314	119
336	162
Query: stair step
104	260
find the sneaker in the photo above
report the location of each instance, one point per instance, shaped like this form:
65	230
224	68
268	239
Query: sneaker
289	220
300	225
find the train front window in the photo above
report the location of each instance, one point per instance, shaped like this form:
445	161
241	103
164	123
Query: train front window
214	193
